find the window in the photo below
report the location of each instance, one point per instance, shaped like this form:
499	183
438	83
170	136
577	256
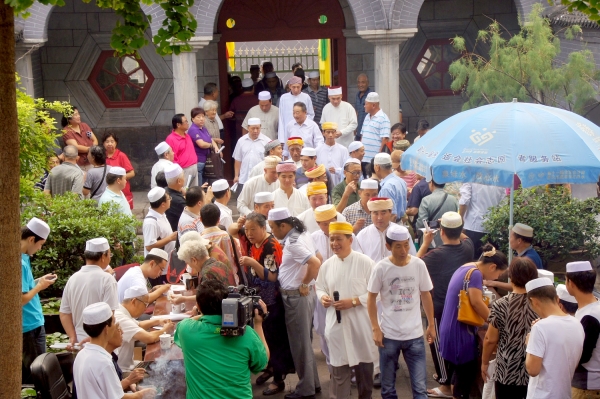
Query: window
431	67
120	82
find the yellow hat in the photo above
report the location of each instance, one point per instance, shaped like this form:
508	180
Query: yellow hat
295	141
316	187
380	204
340	227
329	126
315	172
325	212
271	161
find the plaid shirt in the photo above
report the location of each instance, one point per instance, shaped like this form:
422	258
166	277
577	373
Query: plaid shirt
354	212
319	99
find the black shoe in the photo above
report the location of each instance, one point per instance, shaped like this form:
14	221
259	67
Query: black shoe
294	395
318	390
272	391
377	381
264	377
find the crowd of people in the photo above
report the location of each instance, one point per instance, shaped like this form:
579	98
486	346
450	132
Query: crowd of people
336	239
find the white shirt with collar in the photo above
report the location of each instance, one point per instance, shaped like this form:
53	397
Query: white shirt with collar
479	198
130	327
249	152
95	375
155	229
308	130
297	250
286	111
226	215
158	167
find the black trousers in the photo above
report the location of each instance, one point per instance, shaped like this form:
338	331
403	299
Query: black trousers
510	391
34	344
463	378
476	237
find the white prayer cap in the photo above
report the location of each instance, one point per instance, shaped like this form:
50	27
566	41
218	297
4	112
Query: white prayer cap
155	194
220	185
253	121
382	159
313	74
270	75
372	97
581	266
97	313
39	227
334	91
162	148
263	197
369	184
172	171
97	245
352	160
451	220
117	170
279	214
523	230
563	294
247	82
546	273
160	253
309	152
355	145
264	95
537	283
135	292
397	233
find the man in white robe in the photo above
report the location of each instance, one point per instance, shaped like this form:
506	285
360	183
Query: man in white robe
286	106
287	196
273	147
317	196
333	155
348	273
249	151
342	113
165	158
267	182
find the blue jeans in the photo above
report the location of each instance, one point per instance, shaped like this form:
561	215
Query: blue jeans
413	351
200	172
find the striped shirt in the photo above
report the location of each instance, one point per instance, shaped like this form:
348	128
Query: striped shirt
354	212
374	129
319	99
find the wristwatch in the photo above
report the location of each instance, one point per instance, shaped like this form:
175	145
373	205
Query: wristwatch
354	302
303	285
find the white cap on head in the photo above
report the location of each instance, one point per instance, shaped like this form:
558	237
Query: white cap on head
581	266
355	145
309	152
372	97
220	185
99	244
537	283
563	294
160	253
397	233
334	91
313	74
117	170
263	197
279	214
155	194
253	121
523	230
135	292
369	184
247	82
270	75
39	227
161	148
451	220
264	95
352	160
546	273
382	159
172	171
97	313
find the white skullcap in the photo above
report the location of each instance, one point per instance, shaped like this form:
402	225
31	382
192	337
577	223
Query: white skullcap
369	184
334	91
523	230
117	170
382	159
253	121
172	171
563	294
39	228
264	95
546	273
372	97
155	194
279	214
309	152
313	74
270	75
220	185
97	245
397	233
135	292
160	253
581	266
451	220
97	313
263	197
352	160
247	82
537	283
355	145
161	148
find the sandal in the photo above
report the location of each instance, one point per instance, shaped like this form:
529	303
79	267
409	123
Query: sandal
264	377
272	391
437	393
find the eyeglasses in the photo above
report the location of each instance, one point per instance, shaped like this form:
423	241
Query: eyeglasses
357	173
145	303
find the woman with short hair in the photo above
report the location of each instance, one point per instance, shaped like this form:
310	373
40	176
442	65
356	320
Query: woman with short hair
115	157
212	124
79	134
201	138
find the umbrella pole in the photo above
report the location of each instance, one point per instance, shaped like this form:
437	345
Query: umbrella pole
510	221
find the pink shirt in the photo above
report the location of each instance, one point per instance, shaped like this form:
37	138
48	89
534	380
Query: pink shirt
183	148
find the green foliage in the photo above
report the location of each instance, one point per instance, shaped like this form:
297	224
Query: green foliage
560	223
179	27
51	306
56	338
27	393
588	7
73	222
525	66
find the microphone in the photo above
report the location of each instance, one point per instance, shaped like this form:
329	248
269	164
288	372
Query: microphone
338	313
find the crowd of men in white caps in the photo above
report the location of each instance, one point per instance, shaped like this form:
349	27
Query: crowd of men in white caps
329	243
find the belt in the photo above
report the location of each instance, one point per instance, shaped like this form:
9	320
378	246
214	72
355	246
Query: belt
289	292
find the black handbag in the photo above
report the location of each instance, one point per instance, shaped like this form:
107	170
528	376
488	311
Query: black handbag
213	168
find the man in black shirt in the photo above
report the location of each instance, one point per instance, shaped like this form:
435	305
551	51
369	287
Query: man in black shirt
176	181
441	263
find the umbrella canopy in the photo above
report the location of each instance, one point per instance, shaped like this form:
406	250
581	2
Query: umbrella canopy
492	143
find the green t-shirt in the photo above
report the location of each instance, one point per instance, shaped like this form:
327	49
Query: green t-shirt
218	367
338	193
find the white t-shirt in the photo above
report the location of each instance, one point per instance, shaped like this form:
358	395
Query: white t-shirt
588	376
95	375
558	340
297	250
154	229
132	277
400	290
130	327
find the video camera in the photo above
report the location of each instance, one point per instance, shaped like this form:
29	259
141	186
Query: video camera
238	310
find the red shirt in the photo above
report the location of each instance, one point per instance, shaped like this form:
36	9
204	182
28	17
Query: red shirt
81	139
120	159
183	148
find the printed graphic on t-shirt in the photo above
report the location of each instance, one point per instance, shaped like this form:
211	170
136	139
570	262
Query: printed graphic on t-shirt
402	291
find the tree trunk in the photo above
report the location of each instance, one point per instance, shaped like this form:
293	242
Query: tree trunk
10	267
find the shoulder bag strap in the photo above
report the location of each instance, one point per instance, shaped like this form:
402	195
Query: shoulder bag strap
98	188
439	206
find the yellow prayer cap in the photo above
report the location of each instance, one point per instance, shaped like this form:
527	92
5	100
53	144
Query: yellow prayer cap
340	227
325	212
295	141
272	161
380	204
329	126
315	172
316	187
